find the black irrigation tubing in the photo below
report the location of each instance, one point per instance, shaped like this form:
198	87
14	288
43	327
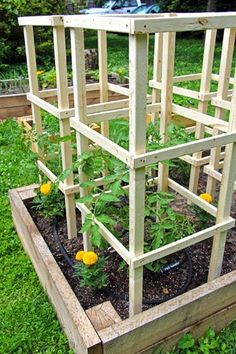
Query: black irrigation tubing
62	249
163	270
183	287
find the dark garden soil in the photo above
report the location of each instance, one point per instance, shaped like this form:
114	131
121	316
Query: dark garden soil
157	287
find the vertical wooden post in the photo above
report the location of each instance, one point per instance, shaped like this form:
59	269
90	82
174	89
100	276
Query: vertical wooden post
157	69
79	82
205	87
225	197
103	76
166	100
223	85
33	80
137	137
63	103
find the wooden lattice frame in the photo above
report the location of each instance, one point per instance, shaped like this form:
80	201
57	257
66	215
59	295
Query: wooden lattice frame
137	104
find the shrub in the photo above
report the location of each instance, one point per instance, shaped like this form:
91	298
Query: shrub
11	34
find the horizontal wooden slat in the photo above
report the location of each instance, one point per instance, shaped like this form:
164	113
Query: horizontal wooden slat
41	20
180	150
184	22
181	244
156	23
109	237
43	104
101	140
215	174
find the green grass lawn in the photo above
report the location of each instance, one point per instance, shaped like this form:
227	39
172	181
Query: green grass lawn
27	321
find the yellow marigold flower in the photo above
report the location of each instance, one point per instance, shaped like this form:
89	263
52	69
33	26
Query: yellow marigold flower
90	258
207	197
39	72
79	255
45	188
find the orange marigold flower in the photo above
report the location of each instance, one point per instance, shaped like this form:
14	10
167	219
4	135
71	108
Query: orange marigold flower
90	258
39	72
79	255
45	188
207	197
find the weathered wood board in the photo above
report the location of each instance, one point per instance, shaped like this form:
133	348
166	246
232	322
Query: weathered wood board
18	105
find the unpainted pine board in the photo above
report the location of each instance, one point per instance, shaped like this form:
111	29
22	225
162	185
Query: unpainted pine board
55	20
222	93
183	243
200	118
119	89
108	236
153	23
225	196
157	69
101	140
64	125
138	65
103	75
18	105
150	327
215	174
182	22
81	334
33	80
181	150
79	80
166	101
103	315
205	87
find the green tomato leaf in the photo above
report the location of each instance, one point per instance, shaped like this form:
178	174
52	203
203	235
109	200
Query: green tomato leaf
116	188
87	184
64	174
85	199
86	226
108	197
105	219
96	237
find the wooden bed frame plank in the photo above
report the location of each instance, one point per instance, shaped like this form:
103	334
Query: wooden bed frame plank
81	334
159	328
158	323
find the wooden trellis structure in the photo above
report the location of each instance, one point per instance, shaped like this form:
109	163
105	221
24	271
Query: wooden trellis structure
136	105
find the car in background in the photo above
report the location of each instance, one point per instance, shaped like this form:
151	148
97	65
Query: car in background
114	7
146	9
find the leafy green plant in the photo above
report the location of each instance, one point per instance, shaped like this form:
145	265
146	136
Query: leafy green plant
169	226
93	163
49	201
90	270
207	344
202	218
12	40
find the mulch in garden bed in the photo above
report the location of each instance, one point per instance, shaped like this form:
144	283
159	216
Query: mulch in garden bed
157	287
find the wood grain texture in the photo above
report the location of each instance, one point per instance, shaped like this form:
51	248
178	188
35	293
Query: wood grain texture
137	334
103	315
81	334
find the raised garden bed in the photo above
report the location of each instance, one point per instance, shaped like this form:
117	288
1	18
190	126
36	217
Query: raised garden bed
100	328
